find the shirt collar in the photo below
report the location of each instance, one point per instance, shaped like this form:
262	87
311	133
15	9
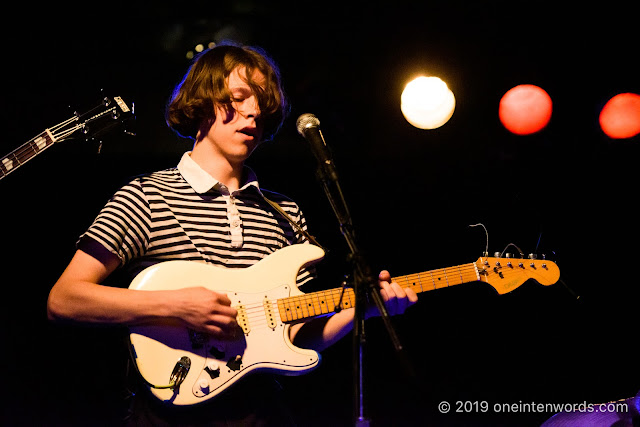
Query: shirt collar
201	181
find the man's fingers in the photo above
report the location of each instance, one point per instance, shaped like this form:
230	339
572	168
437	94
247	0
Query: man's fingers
384	276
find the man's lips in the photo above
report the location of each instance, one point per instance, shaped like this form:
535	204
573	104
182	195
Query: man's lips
249	131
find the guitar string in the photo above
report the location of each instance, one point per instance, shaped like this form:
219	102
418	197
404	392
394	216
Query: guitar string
307	307
258	311
451	275
258	321
257	317
454	273
259	306
467	273
26	150
23	153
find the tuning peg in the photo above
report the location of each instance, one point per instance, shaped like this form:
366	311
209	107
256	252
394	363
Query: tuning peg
533	256
496	254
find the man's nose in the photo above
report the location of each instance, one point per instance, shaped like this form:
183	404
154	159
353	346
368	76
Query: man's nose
251	107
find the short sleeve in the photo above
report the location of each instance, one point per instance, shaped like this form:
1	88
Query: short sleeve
123	226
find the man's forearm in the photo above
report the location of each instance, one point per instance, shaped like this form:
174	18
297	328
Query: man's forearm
322	332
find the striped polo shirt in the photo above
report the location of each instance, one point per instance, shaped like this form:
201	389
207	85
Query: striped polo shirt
184	213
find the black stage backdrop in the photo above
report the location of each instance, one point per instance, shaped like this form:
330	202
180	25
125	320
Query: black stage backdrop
568	192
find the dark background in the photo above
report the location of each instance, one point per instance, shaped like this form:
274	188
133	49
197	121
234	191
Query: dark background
568	191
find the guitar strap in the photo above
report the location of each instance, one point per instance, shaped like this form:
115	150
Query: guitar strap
294	224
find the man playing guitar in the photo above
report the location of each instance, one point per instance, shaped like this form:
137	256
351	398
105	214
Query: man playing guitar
210	209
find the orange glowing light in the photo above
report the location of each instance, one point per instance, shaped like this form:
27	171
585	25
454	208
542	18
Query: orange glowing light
525	109
620	117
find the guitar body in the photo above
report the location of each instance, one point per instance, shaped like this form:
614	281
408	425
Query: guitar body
216	365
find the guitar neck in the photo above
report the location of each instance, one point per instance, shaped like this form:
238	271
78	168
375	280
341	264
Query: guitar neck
313	304
26	152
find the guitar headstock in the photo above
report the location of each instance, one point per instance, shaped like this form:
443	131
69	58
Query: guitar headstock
110	112
507	274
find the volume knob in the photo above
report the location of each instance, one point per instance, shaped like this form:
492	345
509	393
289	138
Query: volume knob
204	385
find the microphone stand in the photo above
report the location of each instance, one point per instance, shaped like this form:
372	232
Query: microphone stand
365	284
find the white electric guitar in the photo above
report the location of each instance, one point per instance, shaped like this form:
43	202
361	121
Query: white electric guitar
183	367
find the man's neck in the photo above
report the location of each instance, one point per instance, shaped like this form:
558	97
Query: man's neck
228	173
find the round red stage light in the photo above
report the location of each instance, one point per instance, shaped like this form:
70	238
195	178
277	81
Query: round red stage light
620	117
525	109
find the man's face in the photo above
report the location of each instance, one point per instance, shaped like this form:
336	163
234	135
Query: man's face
236	133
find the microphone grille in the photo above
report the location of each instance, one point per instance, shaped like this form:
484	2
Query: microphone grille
305	121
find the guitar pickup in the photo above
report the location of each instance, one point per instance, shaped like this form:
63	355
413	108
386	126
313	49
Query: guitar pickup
242	319
268	311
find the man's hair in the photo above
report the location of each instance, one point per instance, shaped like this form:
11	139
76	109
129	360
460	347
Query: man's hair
192	105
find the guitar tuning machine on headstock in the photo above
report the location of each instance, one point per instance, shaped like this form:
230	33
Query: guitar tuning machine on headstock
534	257
508	256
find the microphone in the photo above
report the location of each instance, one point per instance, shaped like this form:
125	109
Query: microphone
308	126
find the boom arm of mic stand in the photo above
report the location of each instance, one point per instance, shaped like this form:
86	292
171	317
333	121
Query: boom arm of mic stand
364	284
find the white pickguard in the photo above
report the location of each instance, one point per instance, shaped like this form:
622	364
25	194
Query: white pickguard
215	366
